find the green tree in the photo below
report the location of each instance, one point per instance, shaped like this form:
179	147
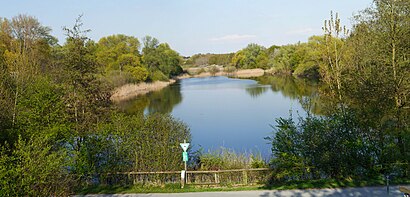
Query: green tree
25	47
253	56
160	59
333	71
336	146
34	168
117	54
378	83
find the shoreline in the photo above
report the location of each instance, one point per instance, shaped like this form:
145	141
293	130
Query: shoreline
130	91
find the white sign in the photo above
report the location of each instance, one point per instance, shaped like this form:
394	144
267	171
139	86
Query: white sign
184	146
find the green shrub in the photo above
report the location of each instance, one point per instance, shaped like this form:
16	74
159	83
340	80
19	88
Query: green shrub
225	159
138	73
158	76
34	168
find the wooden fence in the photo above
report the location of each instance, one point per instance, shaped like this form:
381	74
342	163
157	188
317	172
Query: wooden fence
214	177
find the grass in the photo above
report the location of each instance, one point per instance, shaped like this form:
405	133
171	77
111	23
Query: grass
175	188
168	188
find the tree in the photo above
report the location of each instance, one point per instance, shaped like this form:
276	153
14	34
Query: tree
25	47
284	61
160	59
86	99
110	50
332	72
253	56
21	175
336	146
379	82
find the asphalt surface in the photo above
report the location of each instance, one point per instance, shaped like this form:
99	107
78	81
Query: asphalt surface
345	192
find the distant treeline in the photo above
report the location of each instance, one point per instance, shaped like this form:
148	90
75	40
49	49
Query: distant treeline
300	60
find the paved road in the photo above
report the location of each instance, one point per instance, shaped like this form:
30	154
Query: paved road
347	192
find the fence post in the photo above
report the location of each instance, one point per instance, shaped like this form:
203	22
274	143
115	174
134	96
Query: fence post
245	177
182	178
216	178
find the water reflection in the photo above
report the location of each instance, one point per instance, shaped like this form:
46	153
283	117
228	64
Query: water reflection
305	91
165	100
159	101
256	90
234	113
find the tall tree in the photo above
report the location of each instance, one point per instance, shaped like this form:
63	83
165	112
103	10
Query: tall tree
380	79
335	45
253	56
160	59
86	99
25	50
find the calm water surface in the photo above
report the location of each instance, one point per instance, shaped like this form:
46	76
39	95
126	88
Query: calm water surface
232	113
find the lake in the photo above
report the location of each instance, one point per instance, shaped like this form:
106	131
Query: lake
226	112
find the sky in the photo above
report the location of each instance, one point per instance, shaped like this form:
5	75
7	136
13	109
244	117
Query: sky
192	26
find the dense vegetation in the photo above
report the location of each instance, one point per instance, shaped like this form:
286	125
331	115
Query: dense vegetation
364	131
209	59
59	129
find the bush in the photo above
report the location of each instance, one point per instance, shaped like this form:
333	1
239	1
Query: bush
213	70
34	168
133	143
116	78
158	76
230	69
138	73
307	71
226	159
336	146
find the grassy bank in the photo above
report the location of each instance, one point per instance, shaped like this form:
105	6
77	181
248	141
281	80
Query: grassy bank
168	188
130	91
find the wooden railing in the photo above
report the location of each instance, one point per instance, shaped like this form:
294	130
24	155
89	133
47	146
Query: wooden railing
213	177
228	177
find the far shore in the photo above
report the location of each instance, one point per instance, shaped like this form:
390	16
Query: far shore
129	91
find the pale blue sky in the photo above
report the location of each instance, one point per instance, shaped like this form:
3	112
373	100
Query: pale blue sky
191	26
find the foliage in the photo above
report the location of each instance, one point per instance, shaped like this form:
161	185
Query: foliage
326	147
230	69
34	168
302	60
158	76
199	60
332	71
119	55
226	159
366	82
160	58
253	56
132	143
378	83
213	70
111	50
58	127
